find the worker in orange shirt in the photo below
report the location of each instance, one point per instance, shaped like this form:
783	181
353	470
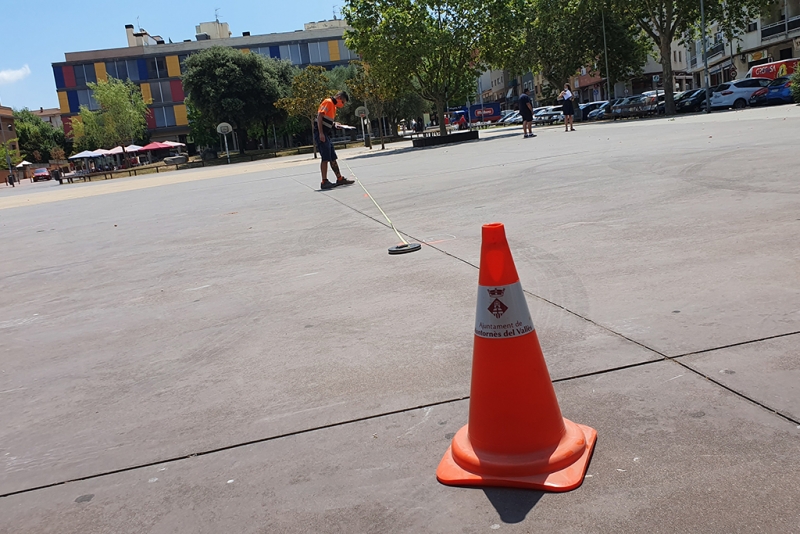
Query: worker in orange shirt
323	129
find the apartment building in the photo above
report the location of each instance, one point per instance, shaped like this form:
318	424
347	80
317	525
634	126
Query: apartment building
774	37
156	66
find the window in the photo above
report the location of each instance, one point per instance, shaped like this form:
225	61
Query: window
161	91
313	53
132	66
86	98
753	26
84	74
156	68
165	117
118	69
680	55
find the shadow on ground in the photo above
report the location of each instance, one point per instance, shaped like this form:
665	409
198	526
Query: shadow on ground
513	505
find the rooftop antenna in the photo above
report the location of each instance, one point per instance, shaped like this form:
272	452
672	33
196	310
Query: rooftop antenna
216	14
138	25
334	12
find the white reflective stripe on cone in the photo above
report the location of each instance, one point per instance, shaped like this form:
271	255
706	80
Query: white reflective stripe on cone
502	312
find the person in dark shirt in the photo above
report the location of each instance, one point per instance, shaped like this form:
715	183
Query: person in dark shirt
526	112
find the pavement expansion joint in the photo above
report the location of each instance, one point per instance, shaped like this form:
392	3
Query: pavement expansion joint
662	356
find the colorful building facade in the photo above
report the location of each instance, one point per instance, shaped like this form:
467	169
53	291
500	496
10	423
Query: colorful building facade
157	67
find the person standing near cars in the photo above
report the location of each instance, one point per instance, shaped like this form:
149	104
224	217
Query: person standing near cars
526	112
323	130
567	108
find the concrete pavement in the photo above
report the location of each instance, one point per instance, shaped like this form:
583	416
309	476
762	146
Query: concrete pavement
162	336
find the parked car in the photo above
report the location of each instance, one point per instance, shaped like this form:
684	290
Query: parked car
780	91
505	113
635	106
583	111
41	174
759	98
604	111
737	93
549	115
694	102
509	117
661	108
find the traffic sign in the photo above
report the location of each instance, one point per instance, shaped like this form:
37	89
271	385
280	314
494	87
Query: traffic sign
656	78
224	128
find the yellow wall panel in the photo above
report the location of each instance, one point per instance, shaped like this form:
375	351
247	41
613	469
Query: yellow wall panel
146	93
100	72
173	66
245	50
181	119
333	50
63	102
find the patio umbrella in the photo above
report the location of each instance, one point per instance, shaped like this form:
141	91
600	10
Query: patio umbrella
24	164
173	143
101	152
154	146
133	148
84	155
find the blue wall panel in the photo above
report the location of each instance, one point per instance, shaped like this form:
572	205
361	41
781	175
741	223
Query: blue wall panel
59	76
74	104
142	63
275	52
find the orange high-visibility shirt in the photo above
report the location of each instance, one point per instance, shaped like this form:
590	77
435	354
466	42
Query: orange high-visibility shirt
328	111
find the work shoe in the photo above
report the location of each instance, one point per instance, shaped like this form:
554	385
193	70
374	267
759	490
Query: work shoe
327	185
344	181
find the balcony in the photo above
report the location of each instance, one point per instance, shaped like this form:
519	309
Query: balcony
693	62
716	49
772	30
794	23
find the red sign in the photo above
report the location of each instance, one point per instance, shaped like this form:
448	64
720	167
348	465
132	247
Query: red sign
774	70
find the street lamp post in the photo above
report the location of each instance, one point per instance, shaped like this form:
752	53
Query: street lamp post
705	56
5	148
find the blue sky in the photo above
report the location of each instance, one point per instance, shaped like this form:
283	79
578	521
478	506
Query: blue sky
39	32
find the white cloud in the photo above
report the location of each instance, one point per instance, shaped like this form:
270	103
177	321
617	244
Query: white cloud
11	75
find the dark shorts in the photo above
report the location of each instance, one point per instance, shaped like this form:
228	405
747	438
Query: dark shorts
526	117
326	150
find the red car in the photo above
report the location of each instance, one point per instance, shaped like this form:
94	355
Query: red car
41	174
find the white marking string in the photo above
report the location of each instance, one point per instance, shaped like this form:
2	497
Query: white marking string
376	204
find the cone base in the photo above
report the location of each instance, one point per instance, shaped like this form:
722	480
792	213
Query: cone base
566	479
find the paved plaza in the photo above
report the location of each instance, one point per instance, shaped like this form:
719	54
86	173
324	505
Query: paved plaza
229	350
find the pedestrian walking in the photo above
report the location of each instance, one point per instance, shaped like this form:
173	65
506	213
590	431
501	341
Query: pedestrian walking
567	108
323	130
526	112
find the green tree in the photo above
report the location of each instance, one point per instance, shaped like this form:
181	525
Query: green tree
226	85
376	89
87	130
665	20
121	117
430	45
796	85
37	138
202	128
122	112
557	38
309	88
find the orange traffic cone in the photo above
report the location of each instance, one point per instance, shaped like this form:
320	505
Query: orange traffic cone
516	436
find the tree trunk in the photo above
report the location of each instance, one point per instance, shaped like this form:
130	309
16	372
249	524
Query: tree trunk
380	125
312	139
241	136
440	114
669	82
